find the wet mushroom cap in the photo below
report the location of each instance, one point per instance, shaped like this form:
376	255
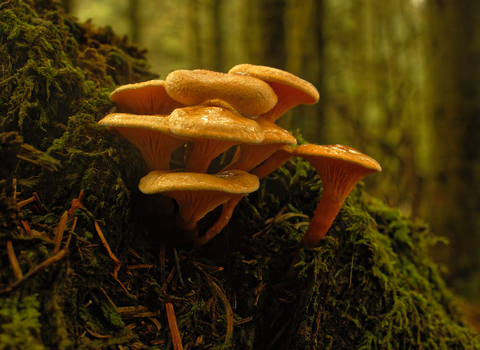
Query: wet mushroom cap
149	97
157	122
234	182
210	132
197	194
248	95
290	89
317	155
215	123
337	164
149	133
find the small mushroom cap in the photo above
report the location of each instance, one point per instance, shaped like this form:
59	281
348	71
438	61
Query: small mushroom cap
339	152
214	123
290	89
148	97
246	94
234	181
198	194
211	131
220	103
149	133
128	120
340	167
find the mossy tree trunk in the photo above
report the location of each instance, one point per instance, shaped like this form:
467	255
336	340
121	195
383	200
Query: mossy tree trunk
454	108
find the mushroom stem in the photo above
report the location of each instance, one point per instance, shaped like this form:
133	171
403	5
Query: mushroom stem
222	221
202	151
326	212
340	168
190	227
275	161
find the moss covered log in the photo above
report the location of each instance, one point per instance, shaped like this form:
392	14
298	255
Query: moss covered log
80	268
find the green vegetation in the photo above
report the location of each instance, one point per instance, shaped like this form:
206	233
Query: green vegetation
370	285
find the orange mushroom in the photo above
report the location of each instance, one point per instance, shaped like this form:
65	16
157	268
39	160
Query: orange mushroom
212	131
248	95
290	89
248	156
275	161
340	168
198	194
148	97
149	133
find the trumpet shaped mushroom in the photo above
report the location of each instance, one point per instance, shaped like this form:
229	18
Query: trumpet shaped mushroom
248	156
198	194
212	131
290	89
340	168
149	133
248	95
276	160
148	97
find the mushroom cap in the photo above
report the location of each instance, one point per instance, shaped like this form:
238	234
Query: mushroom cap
234	181
216	123
211	131
290	89
220	103
340	167
246	94
127	120
149	97
337	152
149	133
198	194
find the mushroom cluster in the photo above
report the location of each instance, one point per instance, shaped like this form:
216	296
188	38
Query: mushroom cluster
210	112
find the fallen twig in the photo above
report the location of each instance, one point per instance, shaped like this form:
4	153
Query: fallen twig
25	202
110	253
60	230
57	257
172	324
17	271
228	309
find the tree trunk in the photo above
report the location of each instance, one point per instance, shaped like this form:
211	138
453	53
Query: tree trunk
454	106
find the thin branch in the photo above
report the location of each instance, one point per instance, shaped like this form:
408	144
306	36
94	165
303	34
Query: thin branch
110	253
172	324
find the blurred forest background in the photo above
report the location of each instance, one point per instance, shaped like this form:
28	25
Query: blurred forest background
399	80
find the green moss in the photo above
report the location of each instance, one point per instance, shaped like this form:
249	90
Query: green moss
370	285
19	323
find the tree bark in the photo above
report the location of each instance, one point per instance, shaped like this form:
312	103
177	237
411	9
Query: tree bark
454	107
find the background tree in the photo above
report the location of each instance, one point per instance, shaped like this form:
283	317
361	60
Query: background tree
453	46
